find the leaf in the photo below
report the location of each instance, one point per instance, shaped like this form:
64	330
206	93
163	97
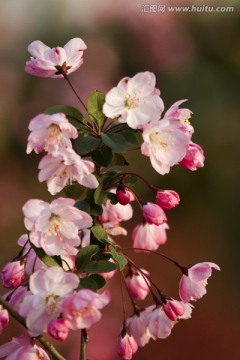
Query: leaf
118	257
84	256
74	115
46	259
88	283
101	266
130	180
100	281
112	197
95	106
115	141
82	205
103	156
99	233
131	138
100	196
84	144
95	210
74	191
119	160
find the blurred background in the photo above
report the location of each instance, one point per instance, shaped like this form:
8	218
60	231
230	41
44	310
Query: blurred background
195	56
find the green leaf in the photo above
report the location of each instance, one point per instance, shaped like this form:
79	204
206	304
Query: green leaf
99	233
100	281
86	143
101	266
100	196
46	259
74	191
119	160
95	106
112	197
103	156
88	283
74	115
130	180
82	205
84	256
131	138
118	257
115	141
95	210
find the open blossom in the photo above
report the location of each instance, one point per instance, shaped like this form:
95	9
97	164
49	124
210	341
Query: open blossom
127	345
138	285
154	214
165	144
180	117
43	302
4	318
54	227
22	348
138	326
194	158
12	274
149	236
167	199
193	285
47	62
50	132
58	329
64	166
160	325
134	101
81	310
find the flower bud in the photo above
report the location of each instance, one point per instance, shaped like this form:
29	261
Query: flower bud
127	345
194	158
153	214
58	329
138	285
167	199
12	274
123	196
173	309
4	318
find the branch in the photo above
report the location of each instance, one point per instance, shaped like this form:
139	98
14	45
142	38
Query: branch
84	342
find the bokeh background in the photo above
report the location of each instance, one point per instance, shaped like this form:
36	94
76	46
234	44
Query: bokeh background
195	56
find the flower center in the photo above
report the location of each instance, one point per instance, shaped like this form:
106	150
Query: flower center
161	141
53	307
185	120
131	102
54	225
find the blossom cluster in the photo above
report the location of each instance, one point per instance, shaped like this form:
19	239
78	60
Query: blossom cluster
70	248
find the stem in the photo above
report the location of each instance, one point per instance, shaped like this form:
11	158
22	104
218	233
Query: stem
47	345
75	92
84	342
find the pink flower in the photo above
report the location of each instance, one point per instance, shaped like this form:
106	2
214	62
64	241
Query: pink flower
173	309
149	236
47	62
17	297
54	227
167	199
43	303
153	214
123	196
22	348
81	310
165	144
4	318
127	345
12	274
134	100
194	158
180	117
193	285
138	285
160	326
138	326
58	329
65	166
50	132
110	274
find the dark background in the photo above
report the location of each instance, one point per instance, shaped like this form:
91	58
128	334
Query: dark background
194	56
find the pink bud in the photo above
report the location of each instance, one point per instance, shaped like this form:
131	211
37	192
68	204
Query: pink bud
153	214
138	285
123	196
4	318
194	158
167	199
173	309
127	346
12	274
58	329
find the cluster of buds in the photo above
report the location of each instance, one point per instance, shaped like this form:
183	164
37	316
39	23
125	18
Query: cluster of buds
69	251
